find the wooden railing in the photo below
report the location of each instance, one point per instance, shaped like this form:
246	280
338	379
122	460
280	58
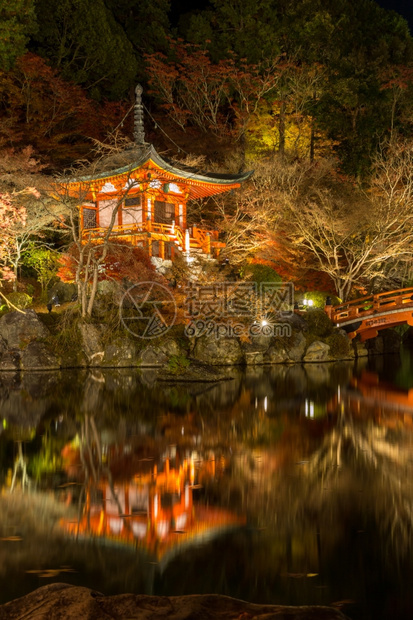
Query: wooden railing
162	229
179	237
370	304
124	230
207	241
132	229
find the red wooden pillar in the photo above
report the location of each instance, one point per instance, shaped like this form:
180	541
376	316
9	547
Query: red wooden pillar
208	244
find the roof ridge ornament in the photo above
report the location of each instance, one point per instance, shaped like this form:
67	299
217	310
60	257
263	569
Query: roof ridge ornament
139	131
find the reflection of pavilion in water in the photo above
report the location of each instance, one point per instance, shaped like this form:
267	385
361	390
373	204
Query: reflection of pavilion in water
154	511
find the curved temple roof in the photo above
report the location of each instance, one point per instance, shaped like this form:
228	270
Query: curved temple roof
198	185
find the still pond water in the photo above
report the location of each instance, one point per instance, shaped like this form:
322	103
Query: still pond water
287	485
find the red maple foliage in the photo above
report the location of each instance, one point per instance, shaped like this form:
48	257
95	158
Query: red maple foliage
122	262
216	97
294	265
53	115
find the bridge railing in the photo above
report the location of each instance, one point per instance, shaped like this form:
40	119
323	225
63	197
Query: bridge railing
371	304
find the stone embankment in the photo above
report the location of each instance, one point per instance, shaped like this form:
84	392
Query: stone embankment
26	343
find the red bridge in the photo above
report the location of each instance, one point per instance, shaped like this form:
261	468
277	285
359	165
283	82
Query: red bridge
367	315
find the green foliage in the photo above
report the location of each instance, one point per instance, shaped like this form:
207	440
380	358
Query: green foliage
260	273
20	300
178	398
49	459
346	83
318	323
17	21
356	42
402	330
65	334
44	262
4	308
145	22
83	40
356	92
236	26
177	364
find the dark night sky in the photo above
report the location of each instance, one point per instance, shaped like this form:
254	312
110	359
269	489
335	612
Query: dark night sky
178	7
404	7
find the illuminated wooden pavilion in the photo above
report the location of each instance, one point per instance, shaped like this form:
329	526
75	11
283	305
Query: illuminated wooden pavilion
146	201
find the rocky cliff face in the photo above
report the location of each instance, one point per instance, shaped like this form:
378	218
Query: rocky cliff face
62	600
27	344
22	343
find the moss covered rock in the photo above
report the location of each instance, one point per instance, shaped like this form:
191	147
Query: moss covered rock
317	352
20	300
212	350
18	329
318	323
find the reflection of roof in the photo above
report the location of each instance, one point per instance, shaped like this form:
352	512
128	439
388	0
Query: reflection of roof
154	512
147	157
210	523
204	524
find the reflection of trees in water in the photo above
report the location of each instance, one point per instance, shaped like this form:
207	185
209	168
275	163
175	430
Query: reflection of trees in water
337	504
222	409
20	465
361	452
361	471
303	482
26	397
31	519
90	452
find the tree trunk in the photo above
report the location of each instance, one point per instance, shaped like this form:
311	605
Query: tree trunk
93	291
16	272
281	130
341	290
393	115
312	135
83	298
